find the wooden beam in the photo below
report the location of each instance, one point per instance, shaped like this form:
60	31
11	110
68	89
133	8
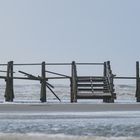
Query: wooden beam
137	82
9	91
73	83
43	83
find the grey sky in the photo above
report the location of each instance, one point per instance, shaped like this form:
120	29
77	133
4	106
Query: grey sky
66	30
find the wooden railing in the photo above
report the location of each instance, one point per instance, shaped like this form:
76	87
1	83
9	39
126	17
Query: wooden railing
43	79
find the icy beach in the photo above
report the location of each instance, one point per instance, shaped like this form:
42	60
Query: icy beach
27	118
70	121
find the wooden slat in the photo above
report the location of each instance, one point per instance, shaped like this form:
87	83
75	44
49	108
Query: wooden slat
96	94
91	96
90	89
89	80
89	85
90	64
90	77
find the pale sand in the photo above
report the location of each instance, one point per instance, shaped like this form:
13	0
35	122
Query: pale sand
58	137
103	107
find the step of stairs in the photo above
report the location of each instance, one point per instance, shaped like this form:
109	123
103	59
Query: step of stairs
92	87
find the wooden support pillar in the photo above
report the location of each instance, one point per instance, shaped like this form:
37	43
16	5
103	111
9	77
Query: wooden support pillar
73	83
108	74
111	84
137	82
105	76
105	69
43	84
9	91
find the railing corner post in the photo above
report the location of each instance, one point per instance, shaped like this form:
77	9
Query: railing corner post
137	82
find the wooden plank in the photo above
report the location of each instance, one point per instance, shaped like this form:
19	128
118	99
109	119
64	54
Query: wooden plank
89	85
30	76
27	64
96	94
93	96
125	77
90	77
89	80
90	89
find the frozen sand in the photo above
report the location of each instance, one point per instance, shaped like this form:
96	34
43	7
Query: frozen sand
79	107
58	137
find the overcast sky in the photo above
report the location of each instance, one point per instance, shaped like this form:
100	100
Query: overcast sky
66	30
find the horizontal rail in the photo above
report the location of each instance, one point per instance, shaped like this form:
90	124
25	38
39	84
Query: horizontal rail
24	64
39	64
125	78
58	64
36	64
26	78
5	71
89	63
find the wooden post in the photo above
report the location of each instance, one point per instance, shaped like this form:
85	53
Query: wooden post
111	84
105	69
9	91
137	82
43	84
110	78
73	83
105	76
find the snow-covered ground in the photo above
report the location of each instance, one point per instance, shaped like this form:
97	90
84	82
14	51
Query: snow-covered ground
31	93
110	125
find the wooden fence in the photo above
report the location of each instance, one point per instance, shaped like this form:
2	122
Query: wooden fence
82	87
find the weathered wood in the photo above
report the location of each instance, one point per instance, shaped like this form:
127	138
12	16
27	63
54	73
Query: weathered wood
73	83
88	79
125	77
105	72
96	64
9	91
89	85
4	71
53	93
58	74
110	82
43	84
30	76
93	84
137	82
95	89
43	81
91	96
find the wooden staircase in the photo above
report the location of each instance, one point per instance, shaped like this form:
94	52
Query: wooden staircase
93	87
